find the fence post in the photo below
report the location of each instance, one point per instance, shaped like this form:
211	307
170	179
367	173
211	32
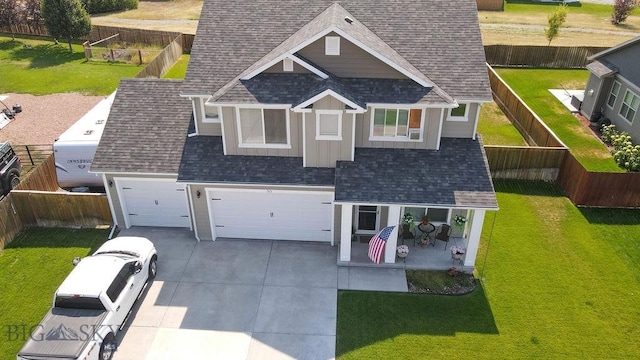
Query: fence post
29	153
87	50
112	57
140	56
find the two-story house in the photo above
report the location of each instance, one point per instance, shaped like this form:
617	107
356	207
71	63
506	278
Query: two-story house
309	121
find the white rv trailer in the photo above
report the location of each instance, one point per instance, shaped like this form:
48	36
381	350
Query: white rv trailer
74	149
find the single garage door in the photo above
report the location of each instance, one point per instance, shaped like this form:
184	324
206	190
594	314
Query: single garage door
150	202
271	214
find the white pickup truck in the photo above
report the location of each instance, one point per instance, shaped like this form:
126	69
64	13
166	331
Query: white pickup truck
93	302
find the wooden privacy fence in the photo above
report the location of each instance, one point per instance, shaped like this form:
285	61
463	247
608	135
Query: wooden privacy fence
42	178
599	189
534	130
490	5
525	162
540	56
164	61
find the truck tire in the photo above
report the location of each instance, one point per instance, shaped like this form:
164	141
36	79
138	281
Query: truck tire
153	267
107	347
13	180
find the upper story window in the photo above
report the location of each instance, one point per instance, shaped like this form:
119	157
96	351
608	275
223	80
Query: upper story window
328	124
263	127
613	96
211	113
461	113
629	106
396	124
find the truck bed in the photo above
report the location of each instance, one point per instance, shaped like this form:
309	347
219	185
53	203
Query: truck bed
63	333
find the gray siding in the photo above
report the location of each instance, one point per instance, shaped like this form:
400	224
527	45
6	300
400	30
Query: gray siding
204	128
626	60
115	196
325	153
337	223
593	103
429	136
352	62
231	136
461	129
622	124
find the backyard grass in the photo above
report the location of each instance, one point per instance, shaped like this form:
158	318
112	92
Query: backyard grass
496	129
32	266
558	283
179	69
532	86
40	67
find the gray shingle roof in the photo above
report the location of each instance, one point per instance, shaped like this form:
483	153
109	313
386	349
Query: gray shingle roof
438	40
613	49
602	68
269	88
203	161
456	175
146	128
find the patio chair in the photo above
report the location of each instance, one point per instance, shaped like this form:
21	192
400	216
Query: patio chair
443	232
406	234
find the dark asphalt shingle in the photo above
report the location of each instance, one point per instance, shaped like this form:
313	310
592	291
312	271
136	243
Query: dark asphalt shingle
456	175
146	128
437	38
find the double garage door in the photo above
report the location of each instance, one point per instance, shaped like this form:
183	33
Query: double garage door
153	202
271	214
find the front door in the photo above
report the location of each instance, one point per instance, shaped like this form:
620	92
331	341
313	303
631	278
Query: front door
367	219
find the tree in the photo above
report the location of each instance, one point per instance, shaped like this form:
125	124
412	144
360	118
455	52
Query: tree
622	9
33	16
66	19
10	14
556	20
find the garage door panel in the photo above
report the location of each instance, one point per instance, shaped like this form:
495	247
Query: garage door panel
148	202
277	215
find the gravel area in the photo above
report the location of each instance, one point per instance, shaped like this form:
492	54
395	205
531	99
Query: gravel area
44	118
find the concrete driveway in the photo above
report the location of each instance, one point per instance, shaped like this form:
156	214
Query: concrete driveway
234	299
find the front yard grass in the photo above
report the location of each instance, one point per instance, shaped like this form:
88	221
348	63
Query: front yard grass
39	67
532	85
558	283
32	266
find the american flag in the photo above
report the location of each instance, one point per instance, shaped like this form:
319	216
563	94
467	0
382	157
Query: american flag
377	243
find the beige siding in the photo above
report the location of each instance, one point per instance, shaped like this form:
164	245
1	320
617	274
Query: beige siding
461	129
231	136
115	196
279	69
204	128
325	153
202	217
429	135
352	62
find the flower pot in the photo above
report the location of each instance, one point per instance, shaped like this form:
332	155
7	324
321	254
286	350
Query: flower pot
456	256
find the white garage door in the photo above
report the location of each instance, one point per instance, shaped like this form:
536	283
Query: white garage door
148	202
271	214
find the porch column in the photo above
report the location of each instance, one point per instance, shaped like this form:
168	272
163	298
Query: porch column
345	232
474	237
393	218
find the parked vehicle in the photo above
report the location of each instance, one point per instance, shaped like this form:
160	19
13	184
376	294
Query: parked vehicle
73	151
93	303
10	168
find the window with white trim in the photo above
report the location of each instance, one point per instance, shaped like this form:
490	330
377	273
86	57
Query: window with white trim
629	106
613	95
211	112
461	113
437	215
328	125
263	127
396	124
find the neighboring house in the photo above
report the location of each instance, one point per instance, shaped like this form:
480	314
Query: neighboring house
304	120
613	87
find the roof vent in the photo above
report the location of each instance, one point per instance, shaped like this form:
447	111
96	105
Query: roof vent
88	132
99	122
348	19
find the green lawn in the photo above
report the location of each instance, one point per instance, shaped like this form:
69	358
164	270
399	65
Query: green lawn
31	268
558	283
47	68
179	69
496	129
532	86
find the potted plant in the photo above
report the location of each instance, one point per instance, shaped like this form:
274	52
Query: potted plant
408	220
460	220
425	219
457	252
403	251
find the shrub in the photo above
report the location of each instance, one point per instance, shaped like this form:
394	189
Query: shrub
103	6
608	132
621	10
625	154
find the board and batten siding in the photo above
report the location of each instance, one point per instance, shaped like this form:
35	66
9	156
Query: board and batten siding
278	68
325	153
115	196
429	135
353	61
231	136
204	128
461	129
